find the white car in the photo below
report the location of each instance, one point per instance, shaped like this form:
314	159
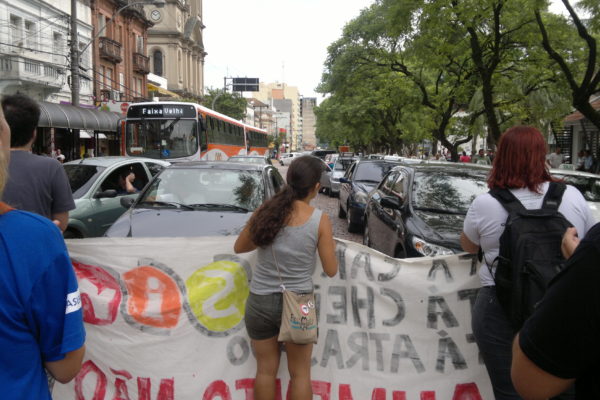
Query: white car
287	158
587	183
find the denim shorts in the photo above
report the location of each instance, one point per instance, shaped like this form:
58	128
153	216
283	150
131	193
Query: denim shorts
263	315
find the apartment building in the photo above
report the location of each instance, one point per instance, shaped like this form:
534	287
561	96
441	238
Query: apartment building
309	138
34	50
269	92
175	46
121	65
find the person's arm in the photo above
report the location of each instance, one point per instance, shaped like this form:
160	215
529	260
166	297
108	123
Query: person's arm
569	243
66	369
467	245
532	382
326	246
55	310
61	220
244	243
129	183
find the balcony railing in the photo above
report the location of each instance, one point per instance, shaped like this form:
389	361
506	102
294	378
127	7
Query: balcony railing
32	72
141	63
110	50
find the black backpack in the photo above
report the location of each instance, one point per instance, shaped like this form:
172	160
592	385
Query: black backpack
530	254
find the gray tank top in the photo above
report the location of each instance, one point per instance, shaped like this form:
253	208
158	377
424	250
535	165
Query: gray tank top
296	250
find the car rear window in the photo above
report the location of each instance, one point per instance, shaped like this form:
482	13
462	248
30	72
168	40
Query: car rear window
372	172
82	177
198	186
452	191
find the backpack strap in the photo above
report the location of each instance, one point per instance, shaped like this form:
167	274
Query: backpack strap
4	208
508	200
554	196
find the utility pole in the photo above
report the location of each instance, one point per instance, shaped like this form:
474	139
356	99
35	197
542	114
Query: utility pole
74	74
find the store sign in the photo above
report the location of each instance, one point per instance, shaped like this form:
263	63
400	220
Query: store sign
162	111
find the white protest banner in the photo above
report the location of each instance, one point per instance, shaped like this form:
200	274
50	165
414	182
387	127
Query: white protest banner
164	321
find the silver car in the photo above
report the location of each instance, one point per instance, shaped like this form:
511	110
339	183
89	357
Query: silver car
339	169
95	186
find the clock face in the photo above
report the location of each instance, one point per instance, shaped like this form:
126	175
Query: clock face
155	15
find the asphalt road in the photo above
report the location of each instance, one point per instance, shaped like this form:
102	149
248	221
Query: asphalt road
330	206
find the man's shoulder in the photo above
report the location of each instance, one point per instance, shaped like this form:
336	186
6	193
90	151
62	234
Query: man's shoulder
33	160
27	223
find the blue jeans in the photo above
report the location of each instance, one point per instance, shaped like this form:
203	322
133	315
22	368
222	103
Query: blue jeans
494	336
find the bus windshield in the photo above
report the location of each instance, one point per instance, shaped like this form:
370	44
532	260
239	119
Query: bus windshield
162	138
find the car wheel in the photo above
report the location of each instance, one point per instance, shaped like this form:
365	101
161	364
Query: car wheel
366	239
352	227
72	234
341	212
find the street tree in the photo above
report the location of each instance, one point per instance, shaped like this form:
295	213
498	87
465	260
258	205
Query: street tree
580	71
231	104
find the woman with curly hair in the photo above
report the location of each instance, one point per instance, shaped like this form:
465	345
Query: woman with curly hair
519	166
288	230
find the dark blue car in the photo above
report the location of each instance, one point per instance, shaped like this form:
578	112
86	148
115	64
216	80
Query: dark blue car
360	179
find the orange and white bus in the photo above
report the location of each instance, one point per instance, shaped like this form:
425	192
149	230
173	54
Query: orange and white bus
187	131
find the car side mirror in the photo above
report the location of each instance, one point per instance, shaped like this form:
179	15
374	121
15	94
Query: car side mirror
344	180
106	194
393	202
127	201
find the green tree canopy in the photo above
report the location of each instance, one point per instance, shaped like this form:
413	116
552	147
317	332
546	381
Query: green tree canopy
230	104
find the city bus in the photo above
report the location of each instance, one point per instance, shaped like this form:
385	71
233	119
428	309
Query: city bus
187	131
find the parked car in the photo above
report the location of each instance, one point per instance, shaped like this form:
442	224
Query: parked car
326	178
201	198
322	153
341	165
251	160
95	186
587	183
330	159
419	209
362	177
287	158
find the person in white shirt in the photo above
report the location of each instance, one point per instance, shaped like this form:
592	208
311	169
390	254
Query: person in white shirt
555	159
519	166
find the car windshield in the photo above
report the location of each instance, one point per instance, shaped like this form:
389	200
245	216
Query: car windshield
251	160
343	164
372	171
162	138
204	188
82	177
588	186
447	191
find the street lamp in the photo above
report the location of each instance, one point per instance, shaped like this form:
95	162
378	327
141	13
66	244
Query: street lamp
74	43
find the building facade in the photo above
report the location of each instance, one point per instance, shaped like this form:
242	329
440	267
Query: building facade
309	121
176	48
34	50
269	92
120	64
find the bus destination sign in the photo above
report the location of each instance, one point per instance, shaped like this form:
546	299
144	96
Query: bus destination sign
162	111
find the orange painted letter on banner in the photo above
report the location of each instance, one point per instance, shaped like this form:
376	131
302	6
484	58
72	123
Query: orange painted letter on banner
154	297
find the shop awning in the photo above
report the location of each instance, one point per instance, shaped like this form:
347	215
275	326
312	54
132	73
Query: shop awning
164	92
67	116
90	134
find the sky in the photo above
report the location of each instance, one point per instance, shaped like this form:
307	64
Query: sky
277	40
273	40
